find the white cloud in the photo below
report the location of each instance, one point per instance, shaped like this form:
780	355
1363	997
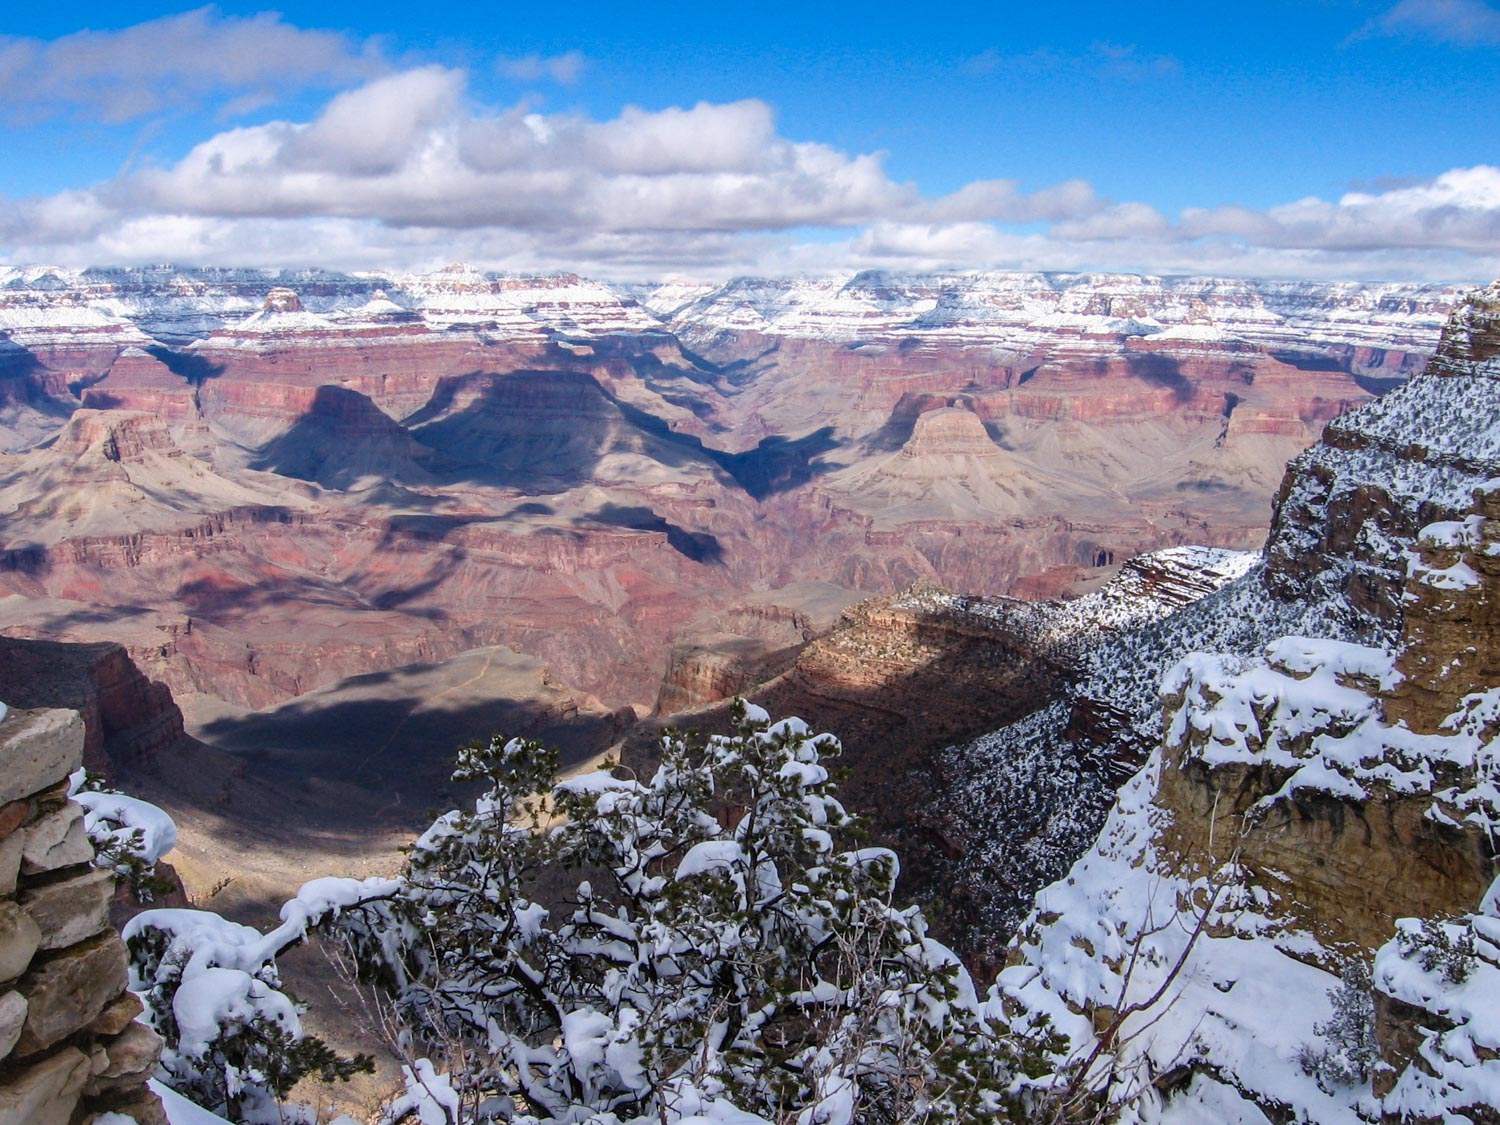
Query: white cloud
405	171
405	149
1459	210
1003	201
176	60
1122	220
1464	23
565	69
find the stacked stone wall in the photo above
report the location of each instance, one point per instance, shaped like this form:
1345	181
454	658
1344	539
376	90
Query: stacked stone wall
71	1049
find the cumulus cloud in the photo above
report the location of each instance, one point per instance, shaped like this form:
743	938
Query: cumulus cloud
1464	23
565	69
183	59
1459	210
405	170
407	150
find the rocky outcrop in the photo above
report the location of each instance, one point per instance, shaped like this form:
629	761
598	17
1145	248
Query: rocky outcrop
1314	802
70	1050
714	668
1349	506
1452	605
949	432
129	721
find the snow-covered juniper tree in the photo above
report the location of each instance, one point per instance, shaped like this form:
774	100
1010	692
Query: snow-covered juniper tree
722	952
233	1041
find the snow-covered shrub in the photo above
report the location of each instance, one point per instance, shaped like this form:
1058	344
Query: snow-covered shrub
717	951
233	1039
1346	1051
129	835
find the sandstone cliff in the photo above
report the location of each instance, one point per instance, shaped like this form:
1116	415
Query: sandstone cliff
1315	802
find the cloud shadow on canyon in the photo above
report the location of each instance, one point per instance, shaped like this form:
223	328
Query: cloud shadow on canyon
547	431
186	365
1162	371
699	546
356	761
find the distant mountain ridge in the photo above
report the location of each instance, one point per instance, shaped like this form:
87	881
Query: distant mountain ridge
1007	309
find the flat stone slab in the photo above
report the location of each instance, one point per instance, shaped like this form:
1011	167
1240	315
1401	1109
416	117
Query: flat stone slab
71	909
69	990
57	840
37	749
46	1092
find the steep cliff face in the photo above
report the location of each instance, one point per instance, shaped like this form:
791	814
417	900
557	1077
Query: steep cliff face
1314	802
1349	507
129	721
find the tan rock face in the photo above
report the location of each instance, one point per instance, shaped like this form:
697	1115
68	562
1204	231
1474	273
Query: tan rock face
39	748
12	1020
1452	616
70	910
950	432
68	990
46	1092
282	300
130	1059
118	1016
10	861
56	840
20	937
1344	872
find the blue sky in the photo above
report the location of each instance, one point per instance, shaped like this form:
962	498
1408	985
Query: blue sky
1325	138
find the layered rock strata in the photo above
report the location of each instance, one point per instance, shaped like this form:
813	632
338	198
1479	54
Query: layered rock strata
1314	803
70	1047
388	469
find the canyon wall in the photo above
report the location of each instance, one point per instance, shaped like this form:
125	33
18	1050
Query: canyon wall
261	482
1306	861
